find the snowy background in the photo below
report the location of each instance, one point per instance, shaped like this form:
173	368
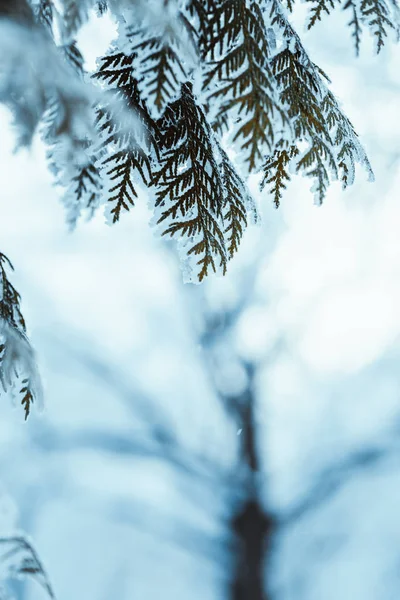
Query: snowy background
117	336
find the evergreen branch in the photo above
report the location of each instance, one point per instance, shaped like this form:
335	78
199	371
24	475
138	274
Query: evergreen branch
376	14
201	11
189	187
159	66
16	354
346	142
244	86
129	144
289	5
319	7
314	163
237	199
333	145
83	193
44	13
74	56
10	311
276	171
354	24
300	90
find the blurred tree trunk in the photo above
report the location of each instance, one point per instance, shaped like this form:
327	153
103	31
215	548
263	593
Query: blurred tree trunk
251	524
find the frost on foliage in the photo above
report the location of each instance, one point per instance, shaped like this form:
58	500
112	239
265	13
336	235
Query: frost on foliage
190	190
237	203
164	54
379	16
19	560
331	145
33	75
18	370
252	80
126	146
237	64
83	193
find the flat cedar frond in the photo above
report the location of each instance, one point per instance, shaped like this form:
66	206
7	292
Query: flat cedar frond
101	7
238	53
190	193
276	171
300	89
354	23
318	8
315	163
202	12
160	66
346	143
237	199
10	311
15	352
83	192
255	81
26	397
127	131
377	15
333	146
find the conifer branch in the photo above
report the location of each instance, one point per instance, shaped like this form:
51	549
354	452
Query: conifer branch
159	66
318	9
190	193
239	67
347	145
17	365
127	130
236	204
315	163
376	14
258	83
354	23
201	11
84	193
276	171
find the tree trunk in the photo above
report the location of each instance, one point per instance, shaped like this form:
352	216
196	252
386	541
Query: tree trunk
252	525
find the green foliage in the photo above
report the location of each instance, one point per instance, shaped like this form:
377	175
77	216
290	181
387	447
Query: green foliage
17	369
238	64
318	8
276	173
83	193
129	141
10	311
330	146
183	80
159	65
190	191
237	201
199	195
378	16
257	83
